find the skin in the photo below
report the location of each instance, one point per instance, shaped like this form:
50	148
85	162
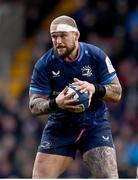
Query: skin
39	104
113	90
65	44
49	165
101	161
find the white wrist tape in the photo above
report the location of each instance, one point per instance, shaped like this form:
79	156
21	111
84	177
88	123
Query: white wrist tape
63	28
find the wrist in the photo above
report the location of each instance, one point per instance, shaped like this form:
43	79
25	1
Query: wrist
53	105
100	91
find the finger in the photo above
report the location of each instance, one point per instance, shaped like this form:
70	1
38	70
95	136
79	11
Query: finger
83	91
90	95
72	102
77	108
76	79
79	83
71	95
64	91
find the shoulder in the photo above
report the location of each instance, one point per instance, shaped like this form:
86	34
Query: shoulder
93	50
44	60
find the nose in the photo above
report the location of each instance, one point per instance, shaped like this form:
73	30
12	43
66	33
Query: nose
59	40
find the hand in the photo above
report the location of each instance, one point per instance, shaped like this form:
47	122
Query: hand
66	102
84	86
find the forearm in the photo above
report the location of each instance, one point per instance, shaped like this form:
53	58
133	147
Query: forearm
39	105
109	92
113	91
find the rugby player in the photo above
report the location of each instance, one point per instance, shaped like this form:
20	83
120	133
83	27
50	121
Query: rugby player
68	130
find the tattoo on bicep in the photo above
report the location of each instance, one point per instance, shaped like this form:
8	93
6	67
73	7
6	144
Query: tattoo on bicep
39	104
102	162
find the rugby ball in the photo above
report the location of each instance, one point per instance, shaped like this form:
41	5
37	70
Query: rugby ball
83	98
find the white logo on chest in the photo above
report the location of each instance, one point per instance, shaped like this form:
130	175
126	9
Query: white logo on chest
86	71
56	74
105	138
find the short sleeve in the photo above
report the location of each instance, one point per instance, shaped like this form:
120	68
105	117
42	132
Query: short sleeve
39	80
106	72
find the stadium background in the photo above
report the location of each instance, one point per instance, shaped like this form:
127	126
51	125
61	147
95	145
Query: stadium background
24	37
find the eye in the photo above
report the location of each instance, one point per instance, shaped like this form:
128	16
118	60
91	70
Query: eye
53	36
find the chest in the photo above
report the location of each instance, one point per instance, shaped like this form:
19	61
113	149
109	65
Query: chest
62	73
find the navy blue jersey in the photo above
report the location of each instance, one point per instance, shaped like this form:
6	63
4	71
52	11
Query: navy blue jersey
51	74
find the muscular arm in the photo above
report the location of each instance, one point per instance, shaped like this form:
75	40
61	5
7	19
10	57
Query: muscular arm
113	91
39	104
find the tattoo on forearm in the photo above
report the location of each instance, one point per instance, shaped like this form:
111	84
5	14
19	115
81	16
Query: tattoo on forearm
113	91
39	105
102	162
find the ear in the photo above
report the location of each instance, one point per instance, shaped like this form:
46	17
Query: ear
77	35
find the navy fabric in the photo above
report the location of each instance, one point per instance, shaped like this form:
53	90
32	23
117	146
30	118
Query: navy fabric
61	137
50	76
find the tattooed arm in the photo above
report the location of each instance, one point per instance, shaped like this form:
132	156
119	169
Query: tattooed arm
113	91
39	104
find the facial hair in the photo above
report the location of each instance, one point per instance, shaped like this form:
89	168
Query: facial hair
66	53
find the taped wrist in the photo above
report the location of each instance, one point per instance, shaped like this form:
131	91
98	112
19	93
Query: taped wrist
100	91
53	105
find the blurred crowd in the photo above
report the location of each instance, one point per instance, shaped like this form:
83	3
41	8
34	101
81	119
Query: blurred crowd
109	24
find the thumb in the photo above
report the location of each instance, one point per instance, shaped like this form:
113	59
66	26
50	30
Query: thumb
76	79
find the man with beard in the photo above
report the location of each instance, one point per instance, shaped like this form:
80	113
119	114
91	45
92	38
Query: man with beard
68	129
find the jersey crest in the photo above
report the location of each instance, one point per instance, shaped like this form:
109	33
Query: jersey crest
86	71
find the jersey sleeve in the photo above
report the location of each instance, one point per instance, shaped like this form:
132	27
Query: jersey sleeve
106	72
39	80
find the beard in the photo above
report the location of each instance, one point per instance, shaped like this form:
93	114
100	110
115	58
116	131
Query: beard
65	52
